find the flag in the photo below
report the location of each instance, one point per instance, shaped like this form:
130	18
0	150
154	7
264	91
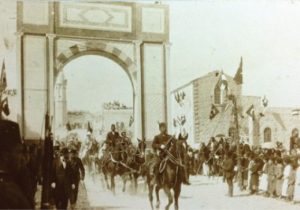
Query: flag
5	107
3	82
238	78
174	122
89	128
131	120
213	112
250	111
68	126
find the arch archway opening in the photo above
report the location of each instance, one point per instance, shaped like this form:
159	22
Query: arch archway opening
92	92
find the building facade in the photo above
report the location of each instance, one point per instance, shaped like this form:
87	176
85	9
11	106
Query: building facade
208	109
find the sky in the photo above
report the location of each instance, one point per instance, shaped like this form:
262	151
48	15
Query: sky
205	35
213	35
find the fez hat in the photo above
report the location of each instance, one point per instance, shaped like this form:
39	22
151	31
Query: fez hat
64	151
9	135
162	124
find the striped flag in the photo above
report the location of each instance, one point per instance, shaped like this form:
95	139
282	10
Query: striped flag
3	82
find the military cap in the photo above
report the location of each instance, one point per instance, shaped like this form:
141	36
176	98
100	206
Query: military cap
162	124
9	135
64	151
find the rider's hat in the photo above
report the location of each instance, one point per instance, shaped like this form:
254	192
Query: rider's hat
162	124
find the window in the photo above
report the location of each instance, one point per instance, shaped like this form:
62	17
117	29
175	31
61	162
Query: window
221	91
267	135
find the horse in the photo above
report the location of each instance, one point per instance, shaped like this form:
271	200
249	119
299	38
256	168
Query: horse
116	162
170	177
136	160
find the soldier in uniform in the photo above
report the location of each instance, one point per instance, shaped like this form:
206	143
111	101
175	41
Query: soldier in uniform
16	192
112	137
161	143
228	168
125	140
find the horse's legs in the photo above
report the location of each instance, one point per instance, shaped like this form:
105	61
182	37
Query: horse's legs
135	180
177	191
105	178
124	183
157	188
112	183
150	189
170	197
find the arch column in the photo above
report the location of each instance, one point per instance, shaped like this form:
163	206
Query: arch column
50	72
138	118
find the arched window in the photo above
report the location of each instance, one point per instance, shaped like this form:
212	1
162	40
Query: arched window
221	91
267	135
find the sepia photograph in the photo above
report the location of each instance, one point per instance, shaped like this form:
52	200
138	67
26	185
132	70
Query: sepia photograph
150	104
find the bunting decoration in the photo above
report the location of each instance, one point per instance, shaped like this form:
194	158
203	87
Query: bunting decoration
179	97
250	112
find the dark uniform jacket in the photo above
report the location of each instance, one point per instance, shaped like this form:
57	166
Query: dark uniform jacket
63	178
111	138
228	167
77	168
161	139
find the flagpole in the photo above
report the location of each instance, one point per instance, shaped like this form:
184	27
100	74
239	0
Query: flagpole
1	105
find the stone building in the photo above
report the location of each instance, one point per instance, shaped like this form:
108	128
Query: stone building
204	109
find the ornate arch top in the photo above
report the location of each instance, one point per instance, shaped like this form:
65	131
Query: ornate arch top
97	48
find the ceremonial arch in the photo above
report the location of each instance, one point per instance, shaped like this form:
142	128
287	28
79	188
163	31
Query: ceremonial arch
136	36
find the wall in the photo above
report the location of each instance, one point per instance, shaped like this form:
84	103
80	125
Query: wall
183	107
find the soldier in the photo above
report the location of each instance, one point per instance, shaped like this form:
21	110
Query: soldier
16	192
78	173
63	180
228	167
125	140
112	136
160	143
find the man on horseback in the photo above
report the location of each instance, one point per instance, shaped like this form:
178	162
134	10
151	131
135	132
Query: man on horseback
161	143
112	137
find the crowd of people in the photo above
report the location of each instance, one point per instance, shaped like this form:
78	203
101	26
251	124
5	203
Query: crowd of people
273	172
20	170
